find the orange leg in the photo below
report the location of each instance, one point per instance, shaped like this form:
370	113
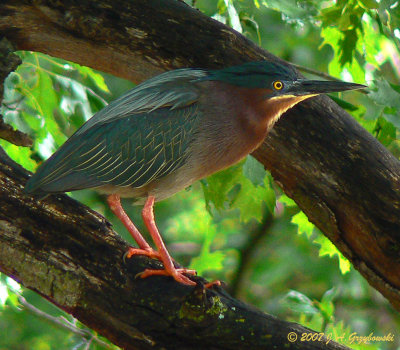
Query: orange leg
169	268
114	202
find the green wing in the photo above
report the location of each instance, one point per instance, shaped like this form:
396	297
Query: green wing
142	136
128	152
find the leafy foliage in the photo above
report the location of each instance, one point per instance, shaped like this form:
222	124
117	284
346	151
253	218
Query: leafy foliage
353	40
326	247
230	188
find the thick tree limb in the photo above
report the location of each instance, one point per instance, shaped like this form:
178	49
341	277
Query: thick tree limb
8	63
346	182
70	255
16	137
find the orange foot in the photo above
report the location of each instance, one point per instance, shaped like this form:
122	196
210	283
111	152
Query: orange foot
213	283
151	253
177	274
161	253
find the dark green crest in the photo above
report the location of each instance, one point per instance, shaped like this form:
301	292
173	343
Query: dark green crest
253	74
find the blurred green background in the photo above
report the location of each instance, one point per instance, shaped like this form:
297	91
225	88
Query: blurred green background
236	225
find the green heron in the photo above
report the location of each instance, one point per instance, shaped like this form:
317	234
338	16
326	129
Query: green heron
170	131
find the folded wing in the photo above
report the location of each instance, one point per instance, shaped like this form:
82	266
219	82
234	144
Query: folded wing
136	139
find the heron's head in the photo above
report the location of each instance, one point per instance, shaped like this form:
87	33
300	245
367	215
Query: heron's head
278	84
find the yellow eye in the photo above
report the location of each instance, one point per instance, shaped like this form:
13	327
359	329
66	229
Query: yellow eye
278	85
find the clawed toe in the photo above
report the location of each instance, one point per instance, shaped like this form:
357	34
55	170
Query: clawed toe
151	253
212	284
177	274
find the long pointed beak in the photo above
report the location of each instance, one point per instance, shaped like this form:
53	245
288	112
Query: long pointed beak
315	87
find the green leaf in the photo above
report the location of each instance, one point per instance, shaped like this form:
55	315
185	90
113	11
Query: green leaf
233	16
250	200
331	37
287	201
299	303
348	45
208	260
46	101
13	300
329	295
254	171
386	96
20	155
97	78
344	104
331	16
13	285
344	45
372	110
229	189
385	131
3	294
369	4
217	186
45	95
326	305
293	9
373	44
304	225
328	248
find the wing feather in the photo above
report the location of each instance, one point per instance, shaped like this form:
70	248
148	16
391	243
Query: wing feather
173	89
141	136
113	155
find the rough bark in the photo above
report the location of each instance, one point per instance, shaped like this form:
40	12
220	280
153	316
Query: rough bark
345	181
8	63
70	255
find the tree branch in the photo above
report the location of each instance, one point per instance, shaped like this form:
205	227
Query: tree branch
346	182
16	137
70	255
8	63
62	323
